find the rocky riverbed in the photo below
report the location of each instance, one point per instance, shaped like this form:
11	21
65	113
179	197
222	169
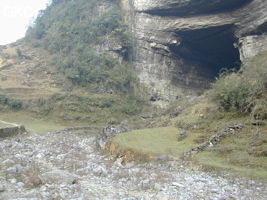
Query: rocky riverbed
68	166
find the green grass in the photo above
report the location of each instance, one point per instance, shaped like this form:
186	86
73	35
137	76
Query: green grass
32	124
154	141
93	109
232	154
203	120
215	162
3	125
164	140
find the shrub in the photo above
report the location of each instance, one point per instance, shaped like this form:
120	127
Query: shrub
57	97
106	103
19	53
3	99
15	104
259	111
132	105
41	101
240	90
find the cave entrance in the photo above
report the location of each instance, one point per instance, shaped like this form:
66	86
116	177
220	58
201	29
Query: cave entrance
210	49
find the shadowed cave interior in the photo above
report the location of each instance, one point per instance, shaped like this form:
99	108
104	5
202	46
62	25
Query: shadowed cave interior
209	50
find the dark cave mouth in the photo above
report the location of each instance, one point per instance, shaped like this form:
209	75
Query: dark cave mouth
209	50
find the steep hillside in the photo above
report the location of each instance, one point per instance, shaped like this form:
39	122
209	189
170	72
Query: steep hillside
74	64
89	42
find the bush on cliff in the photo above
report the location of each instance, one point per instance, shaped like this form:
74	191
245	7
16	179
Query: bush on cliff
243	90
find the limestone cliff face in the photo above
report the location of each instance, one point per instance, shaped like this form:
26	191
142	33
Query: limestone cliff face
181	45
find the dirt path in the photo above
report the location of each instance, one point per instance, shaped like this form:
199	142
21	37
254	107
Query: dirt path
11	124
77	171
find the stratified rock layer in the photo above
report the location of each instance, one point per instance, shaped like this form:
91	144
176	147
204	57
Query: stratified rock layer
181	45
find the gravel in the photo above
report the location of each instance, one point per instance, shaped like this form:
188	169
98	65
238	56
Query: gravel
67	166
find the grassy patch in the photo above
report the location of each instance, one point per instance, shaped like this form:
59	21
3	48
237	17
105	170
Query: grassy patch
87	108
213	162
200	121
241	154
4	125
32	124
154	141
234	153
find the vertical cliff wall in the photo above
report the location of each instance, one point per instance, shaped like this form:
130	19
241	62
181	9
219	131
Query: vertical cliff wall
181	45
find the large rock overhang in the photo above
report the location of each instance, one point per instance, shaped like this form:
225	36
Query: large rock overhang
181	45
188	7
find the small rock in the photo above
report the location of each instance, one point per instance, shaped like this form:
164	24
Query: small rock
20	184
182	135
43	188
58	177
16	169
157	187
203	180
8	162
100	171
145	184
162	197
13	181
214	191
176	112
39	156
118	162
257	123
25	199
2	188
177	184
162	158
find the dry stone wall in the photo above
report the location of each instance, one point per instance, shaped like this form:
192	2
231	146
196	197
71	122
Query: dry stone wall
11	131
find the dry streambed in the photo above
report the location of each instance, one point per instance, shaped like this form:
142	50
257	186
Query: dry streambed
65	165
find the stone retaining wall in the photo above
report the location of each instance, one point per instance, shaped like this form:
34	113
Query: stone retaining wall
11	131
213	140
77	128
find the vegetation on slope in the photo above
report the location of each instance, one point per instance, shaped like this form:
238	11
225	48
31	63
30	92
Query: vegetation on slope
10	102
89	44
75	31
93	109
244	90
33	125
